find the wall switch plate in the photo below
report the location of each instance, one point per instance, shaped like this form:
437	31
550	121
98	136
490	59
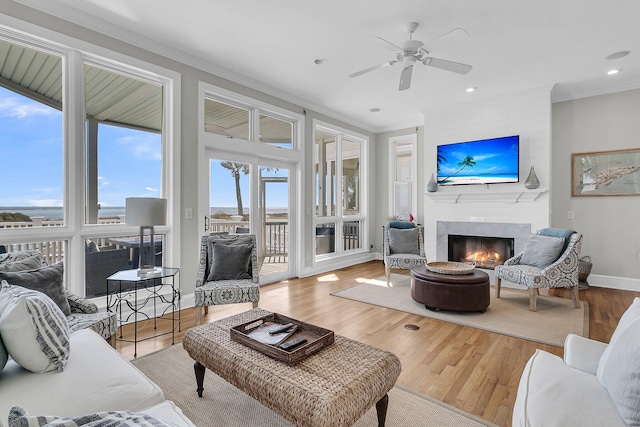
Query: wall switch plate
570	215
188	213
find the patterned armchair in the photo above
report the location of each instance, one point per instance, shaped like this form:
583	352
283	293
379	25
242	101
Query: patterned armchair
403	248
84	313
562	273
227	272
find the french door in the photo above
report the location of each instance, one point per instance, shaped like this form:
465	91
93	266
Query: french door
248	194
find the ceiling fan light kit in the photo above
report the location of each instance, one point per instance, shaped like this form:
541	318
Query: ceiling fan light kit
412	51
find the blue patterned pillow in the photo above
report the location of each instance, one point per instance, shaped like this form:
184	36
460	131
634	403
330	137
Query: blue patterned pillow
18	417
34	329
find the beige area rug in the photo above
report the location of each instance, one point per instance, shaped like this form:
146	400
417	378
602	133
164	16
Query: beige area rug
509	315
224	405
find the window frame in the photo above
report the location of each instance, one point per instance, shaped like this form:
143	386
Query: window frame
75	53
393	155
339	219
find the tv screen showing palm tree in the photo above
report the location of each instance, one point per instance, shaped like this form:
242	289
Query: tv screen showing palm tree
487	161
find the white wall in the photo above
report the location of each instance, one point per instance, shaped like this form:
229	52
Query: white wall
527	114
609	224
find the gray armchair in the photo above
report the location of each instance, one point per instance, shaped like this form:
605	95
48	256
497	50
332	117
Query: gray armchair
403	248
227	272
561	273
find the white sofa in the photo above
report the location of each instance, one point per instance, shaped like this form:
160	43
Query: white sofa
96	378
594	385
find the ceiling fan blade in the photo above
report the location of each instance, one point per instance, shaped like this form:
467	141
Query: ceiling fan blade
387	44
450	37
405	77
375	67
447	65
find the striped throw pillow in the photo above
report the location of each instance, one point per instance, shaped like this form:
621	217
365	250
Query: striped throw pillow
33	329
18	417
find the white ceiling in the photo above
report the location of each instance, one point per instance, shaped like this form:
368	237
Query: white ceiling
271	46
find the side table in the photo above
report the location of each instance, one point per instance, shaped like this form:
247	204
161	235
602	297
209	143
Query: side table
124	284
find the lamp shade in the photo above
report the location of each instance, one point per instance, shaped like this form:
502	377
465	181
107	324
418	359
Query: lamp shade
146	211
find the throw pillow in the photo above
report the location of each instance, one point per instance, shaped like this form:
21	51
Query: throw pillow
227	240
619	370
401	224
33	329
404	241
18	417
4	355
20	255
230	262
47	280
628	317
30	263
541	251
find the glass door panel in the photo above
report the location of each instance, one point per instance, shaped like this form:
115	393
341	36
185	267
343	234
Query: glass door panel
249	195
274	220
229	196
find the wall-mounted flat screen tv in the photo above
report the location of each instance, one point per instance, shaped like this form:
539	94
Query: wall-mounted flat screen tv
487	161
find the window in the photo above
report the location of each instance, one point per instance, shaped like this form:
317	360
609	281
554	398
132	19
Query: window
402	172
31	126
235	119
340	213
66	173
124	115
226	119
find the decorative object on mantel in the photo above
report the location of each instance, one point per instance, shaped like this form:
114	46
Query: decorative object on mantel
584	268
532	181
450	267
432	186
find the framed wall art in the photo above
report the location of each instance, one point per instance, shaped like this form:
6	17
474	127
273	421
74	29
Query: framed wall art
606	173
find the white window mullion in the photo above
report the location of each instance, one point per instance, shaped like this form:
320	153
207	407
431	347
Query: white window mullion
73	102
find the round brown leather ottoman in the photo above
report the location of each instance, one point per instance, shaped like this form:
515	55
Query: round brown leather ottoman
465	292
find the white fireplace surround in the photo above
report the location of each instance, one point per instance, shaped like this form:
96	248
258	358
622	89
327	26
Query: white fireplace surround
518	232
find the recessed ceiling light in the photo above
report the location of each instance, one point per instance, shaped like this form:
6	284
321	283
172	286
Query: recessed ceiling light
320	61
374	110
471	89
612	72
618	55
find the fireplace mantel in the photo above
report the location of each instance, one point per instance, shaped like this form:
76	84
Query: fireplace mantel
516	196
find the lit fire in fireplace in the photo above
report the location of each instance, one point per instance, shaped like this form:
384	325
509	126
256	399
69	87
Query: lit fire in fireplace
484	259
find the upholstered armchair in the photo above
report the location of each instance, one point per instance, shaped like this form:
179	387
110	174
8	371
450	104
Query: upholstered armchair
403	248
23	267
540	266
227	272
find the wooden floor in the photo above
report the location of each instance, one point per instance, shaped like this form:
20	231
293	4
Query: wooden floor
473	370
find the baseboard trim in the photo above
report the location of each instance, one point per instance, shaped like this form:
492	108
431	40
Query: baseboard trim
613	282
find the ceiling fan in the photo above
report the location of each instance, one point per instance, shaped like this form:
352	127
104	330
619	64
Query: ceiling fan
410	52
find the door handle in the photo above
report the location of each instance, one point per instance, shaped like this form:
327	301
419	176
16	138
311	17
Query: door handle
206	223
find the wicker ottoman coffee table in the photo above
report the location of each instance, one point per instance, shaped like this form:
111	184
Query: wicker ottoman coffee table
331	388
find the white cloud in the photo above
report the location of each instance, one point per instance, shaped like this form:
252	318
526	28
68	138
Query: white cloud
45	202
22	108
151	189
143	147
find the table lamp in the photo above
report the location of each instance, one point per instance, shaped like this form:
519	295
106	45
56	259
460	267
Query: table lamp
146	212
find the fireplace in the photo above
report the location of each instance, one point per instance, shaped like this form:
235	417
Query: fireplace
486	252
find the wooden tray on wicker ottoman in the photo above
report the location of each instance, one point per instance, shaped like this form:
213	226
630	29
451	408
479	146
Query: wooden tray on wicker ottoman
317	338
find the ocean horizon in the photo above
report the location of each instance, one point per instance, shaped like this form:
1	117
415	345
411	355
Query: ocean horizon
55	212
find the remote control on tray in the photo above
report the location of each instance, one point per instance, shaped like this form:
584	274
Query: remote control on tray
293	343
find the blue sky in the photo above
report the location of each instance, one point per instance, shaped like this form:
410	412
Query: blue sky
492	156
129	161
32	152
223	192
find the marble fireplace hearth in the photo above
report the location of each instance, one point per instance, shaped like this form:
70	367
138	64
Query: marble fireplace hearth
519	232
